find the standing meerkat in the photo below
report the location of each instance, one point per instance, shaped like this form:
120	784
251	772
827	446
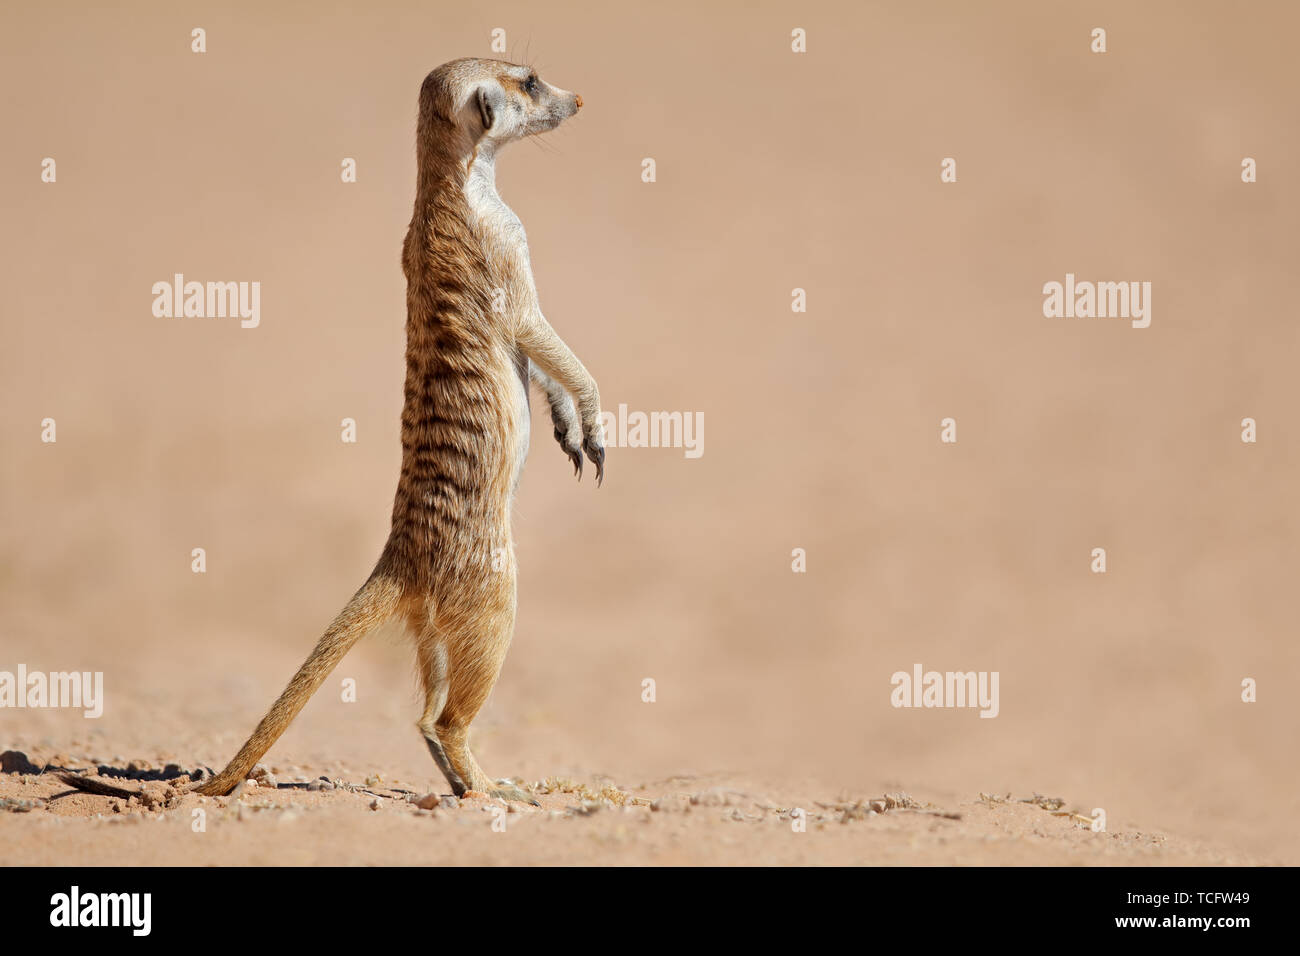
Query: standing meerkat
475	335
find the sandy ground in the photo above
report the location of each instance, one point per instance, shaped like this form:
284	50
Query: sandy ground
686	820
1119	691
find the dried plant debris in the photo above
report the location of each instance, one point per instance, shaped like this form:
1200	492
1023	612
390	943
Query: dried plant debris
1047	803
1053	805
890	802
606	796
1074	816
1056	807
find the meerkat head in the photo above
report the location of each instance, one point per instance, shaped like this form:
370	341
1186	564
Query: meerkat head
492	101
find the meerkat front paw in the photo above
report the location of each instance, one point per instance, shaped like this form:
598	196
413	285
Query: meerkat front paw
571	443
568	430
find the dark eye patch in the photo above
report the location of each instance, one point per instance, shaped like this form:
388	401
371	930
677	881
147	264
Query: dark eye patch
531	86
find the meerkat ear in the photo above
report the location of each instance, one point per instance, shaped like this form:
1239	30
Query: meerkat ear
491	101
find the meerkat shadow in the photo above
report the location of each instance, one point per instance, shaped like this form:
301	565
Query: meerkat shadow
103	779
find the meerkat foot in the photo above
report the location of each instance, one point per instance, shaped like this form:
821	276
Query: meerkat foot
508	791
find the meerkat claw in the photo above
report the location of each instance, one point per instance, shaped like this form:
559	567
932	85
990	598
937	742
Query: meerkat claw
597	455
574	453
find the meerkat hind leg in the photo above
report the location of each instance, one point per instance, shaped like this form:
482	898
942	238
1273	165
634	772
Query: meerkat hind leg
470	680
433	674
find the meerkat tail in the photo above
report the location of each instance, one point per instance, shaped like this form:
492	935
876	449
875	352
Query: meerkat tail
370	607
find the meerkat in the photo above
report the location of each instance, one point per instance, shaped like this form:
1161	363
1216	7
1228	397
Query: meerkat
475	337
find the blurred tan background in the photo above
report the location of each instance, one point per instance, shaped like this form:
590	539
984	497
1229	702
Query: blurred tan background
775	171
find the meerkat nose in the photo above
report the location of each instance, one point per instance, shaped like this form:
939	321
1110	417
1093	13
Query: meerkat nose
577	100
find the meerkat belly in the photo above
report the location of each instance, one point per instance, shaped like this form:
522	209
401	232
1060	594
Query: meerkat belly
521	417
506	247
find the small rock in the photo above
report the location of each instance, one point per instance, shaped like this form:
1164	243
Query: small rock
428	802
264	777
21	806
376	803
449	803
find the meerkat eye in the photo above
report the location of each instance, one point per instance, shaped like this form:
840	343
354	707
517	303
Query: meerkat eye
531	86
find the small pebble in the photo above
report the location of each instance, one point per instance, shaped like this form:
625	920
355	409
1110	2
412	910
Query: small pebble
263	776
